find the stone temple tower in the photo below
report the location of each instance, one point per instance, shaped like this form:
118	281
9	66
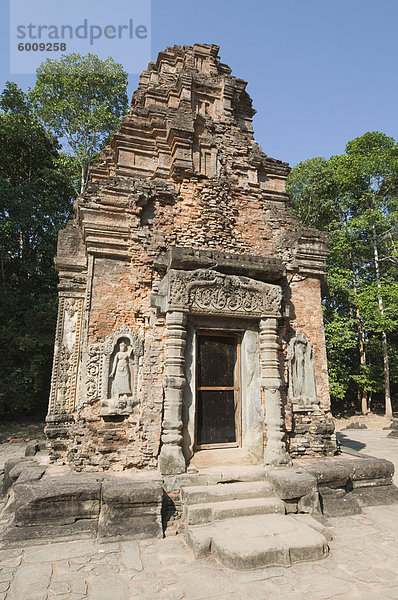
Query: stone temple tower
190	314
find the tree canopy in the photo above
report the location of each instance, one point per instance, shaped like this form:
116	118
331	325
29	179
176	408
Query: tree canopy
35	201
78	100
81	99
354	197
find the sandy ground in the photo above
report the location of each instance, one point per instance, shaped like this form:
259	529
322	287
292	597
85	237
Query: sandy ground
371	421
18	433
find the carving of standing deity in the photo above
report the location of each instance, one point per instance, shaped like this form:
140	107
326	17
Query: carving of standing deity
120	365
301	370
121	375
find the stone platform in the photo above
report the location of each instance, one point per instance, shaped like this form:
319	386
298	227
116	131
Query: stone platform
248	516
53	503
360	564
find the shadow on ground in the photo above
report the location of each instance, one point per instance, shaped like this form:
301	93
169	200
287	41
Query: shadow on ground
348	442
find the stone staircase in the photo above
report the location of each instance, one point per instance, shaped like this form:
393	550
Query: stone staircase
244	525
208	503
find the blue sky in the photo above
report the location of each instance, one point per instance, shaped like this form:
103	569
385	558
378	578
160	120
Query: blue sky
320	72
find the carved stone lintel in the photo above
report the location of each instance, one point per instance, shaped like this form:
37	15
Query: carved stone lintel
275	452
205	291
171	458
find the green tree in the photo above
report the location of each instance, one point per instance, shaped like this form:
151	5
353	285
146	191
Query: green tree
81	99
369	177
312	189
354	197
35	201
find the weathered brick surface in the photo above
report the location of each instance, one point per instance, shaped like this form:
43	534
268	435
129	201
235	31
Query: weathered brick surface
184	170
307	316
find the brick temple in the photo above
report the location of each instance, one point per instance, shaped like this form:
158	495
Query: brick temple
190	316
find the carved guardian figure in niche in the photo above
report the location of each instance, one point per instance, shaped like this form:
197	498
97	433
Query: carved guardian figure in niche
301	371
121	375
122	355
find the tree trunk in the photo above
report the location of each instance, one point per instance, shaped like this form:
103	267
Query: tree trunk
362	394
362	359
386	362
21	248
84	178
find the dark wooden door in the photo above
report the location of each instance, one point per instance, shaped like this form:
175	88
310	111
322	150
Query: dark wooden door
218	390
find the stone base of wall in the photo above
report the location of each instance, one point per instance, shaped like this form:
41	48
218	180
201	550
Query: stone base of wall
107	447
107	507
113	445
312	433
42	505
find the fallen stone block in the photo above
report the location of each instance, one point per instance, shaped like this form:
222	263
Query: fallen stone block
31	473
309	503
331	472
17	536
341	473
375	470
362	483
337	503
31	449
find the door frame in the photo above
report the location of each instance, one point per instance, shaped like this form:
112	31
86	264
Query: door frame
238	389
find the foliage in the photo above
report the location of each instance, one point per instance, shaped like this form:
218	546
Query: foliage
81	99
35	201
312	190
355	198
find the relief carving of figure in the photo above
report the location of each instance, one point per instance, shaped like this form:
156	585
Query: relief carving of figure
119	365
121	375
301	370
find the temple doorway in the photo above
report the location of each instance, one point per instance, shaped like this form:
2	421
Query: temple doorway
218	390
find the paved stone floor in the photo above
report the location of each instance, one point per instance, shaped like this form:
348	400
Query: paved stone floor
363	562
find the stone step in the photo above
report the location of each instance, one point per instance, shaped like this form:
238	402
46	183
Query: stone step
223	474
215	511
255	542
220	492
